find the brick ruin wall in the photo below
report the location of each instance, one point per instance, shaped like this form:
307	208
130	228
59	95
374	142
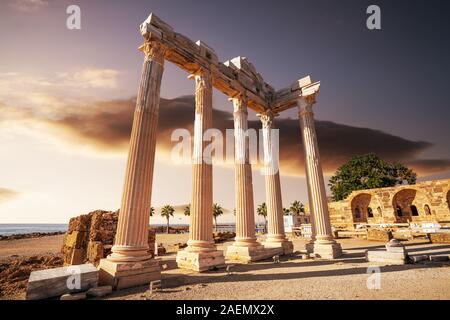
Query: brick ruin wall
90	237
427	201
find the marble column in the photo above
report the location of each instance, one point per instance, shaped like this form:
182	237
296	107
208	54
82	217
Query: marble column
130	253
324	244
245	246
276	236
201	253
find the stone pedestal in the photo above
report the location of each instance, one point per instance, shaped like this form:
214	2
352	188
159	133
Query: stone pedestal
330	250
286	246
395	253
200	261
121	275
251	254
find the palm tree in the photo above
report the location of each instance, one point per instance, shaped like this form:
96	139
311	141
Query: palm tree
297	208
217	211
187	210
167	212
152	211
262	211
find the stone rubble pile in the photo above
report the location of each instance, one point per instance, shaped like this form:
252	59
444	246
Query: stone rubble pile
90	237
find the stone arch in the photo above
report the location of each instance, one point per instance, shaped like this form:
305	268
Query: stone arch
360	207
404	204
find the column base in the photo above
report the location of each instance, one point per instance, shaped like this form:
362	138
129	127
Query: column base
330	250
309	247
121	275
286	246
247	254
200	261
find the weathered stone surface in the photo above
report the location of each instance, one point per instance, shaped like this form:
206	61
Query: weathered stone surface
48	283
439	258
90	237
250	254
200	261
439	237
121	275
420	258
378	235
73	296
386	257
423	202
99	291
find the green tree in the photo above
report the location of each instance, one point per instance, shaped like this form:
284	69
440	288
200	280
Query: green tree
217	211
167	212
187	210
367	172
297	208
262	211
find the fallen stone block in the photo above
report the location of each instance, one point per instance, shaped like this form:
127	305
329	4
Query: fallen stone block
379	235
99	292
55	282
439	258
387	257
73	296
420	258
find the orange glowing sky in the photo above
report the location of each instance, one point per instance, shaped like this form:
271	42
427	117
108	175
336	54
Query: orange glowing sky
66	100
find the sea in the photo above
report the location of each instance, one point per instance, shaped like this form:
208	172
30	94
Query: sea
10	229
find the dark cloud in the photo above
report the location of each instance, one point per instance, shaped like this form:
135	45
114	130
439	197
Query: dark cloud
107	125
7	194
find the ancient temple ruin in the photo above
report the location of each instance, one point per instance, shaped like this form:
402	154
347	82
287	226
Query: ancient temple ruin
130	263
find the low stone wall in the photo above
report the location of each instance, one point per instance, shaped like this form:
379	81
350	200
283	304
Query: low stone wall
90	237
439	237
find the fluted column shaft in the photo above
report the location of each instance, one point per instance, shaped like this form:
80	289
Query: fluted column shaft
272	181
314	174
200	235
245	211
131	242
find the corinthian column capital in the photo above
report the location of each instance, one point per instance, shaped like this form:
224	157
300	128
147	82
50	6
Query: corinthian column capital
239	103
154	51
266	119
305	104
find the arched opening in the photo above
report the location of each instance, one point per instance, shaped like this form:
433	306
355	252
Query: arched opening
404	206
414	211
360	207
448	199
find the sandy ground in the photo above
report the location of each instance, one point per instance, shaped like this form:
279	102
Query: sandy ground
293	278
10	249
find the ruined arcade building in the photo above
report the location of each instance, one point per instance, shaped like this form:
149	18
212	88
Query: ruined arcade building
427	201
130	263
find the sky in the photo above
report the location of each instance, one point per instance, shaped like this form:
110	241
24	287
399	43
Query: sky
67	96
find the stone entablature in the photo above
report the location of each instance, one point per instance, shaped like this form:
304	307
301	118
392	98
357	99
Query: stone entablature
427	201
